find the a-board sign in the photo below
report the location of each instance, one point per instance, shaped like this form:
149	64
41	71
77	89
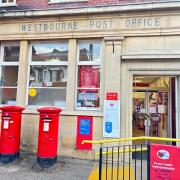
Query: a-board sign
164	162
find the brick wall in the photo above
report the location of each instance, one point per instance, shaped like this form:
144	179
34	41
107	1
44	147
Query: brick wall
43	4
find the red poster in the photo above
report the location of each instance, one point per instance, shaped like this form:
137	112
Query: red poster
111	96
89	77
164	162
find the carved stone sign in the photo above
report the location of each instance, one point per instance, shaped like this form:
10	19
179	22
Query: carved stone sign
89	25
143	22
102	24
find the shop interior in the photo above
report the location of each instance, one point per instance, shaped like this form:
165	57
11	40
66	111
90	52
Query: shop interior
153	106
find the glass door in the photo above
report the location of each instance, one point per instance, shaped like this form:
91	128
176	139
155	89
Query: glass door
139	113
150	113
158	111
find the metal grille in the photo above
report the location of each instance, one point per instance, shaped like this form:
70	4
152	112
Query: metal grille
127	162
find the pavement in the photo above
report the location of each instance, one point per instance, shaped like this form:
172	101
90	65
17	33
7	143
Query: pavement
26	168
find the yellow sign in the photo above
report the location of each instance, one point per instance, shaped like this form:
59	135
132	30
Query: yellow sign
32	92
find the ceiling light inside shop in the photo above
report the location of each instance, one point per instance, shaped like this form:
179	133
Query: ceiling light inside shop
137	81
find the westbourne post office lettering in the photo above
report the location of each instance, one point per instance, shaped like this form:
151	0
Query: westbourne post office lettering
92	24
149	22
49	26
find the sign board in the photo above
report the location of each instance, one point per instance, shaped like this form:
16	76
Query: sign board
84	132
164	162
111	121
84	126
111	96
138	109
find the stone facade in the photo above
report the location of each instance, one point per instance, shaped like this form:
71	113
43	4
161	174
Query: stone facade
134	42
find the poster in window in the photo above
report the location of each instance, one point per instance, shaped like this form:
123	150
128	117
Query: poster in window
89	77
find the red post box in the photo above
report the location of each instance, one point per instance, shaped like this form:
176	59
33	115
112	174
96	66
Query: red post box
10	133
48	136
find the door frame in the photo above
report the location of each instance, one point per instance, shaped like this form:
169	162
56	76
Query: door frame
147	66
175	74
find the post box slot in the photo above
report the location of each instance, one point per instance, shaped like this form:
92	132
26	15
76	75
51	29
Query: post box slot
46	127
6	124
47	119
6	117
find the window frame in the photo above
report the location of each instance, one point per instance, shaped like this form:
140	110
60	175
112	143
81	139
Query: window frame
42	63
3	64
88	63
8	3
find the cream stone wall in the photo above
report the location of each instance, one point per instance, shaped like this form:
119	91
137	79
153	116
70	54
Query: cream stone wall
66	135
117	24
132	44
29	131
22	73
157	45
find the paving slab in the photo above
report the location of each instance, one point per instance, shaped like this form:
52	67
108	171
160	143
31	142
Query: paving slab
26	168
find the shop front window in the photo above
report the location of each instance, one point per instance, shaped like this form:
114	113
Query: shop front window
9	73
48	74
89	68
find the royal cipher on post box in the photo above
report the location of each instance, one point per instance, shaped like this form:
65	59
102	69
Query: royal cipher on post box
48	136
10	133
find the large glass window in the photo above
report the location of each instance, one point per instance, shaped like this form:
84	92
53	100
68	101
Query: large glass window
48	74
89	68
9	73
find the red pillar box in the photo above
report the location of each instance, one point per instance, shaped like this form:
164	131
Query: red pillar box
84	132
10	133
48	136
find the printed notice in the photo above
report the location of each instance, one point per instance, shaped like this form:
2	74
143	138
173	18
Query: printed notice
84	126
160	108
111	125
152	109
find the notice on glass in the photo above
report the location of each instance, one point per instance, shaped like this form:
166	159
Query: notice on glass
160	108
111	120
152	109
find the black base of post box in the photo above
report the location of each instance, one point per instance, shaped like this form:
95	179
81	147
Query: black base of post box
8	158
46	162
